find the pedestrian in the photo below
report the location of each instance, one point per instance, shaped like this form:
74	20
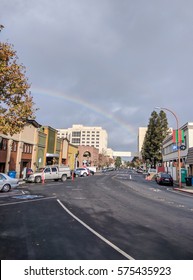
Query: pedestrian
29	171
24	173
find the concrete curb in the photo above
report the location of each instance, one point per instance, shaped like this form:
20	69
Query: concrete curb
184	190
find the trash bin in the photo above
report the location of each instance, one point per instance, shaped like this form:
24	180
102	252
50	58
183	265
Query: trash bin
188	181
183	175
12	174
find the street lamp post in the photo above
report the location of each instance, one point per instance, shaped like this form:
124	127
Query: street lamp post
178	143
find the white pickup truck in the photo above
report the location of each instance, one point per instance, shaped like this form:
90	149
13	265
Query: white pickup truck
52	172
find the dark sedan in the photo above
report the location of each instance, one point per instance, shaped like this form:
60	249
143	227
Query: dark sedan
164	179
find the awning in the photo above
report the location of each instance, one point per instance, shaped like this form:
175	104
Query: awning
52	155
189	159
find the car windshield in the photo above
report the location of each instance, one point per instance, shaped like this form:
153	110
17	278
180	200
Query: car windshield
2	177
165	175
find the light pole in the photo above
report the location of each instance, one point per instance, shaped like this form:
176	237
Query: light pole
178	143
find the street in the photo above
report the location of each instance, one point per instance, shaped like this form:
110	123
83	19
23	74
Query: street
115	215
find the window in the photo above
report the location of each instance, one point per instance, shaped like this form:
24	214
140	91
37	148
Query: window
75	140
47	170
2	177
54	169
30	149
185	141
3	145
14	147
27	148
76	134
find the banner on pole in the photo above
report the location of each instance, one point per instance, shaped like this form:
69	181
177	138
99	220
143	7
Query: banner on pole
178	136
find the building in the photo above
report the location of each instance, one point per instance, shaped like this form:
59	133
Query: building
170	151
34	147
19	150
72	156
141	137
88	156
86	136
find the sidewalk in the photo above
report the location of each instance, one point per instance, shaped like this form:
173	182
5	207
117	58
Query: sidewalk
183	188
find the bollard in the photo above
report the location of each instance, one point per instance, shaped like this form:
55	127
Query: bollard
72	176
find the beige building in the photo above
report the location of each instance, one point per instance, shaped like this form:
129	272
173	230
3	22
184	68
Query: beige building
93	136
141	136
20	150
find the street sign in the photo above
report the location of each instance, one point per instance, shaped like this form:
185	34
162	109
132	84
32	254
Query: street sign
182	147
175	147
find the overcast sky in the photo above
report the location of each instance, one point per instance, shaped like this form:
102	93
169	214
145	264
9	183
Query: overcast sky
104	63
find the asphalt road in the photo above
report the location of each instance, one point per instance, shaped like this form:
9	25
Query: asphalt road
116	215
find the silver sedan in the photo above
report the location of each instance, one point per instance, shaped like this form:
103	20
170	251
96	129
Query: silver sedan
7	183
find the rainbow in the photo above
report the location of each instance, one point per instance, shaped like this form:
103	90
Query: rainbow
86	104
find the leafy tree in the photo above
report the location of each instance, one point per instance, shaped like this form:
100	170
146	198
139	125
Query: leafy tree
16	102
156	132
118	162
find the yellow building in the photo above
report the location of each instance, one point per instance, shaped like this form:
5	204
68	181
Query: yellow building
72	155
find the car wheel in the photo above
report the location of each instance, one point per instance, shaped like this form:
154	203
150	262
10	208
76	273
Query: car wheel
64	178
6	188
84	174
38	179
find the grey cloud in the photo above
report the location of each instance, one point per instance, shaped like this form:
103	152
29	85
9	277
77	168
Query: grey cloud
124	57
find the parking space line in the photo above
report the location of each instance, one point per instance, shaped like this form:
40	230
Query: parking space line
96	233
25	201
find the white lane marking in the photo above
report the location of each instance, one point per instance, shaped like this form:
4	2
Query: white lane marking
96	233
32	200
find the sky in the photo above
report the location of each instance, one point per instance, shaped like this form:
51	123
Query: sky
105	63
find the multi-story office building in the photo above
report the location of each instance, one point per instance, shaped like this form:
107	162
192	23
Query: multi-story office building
93	136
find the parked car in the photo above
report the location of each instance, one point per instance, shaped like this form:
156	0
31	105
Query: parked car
164	178
90	171
52	172
81	172
107	169
7	183
151	171
139	170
